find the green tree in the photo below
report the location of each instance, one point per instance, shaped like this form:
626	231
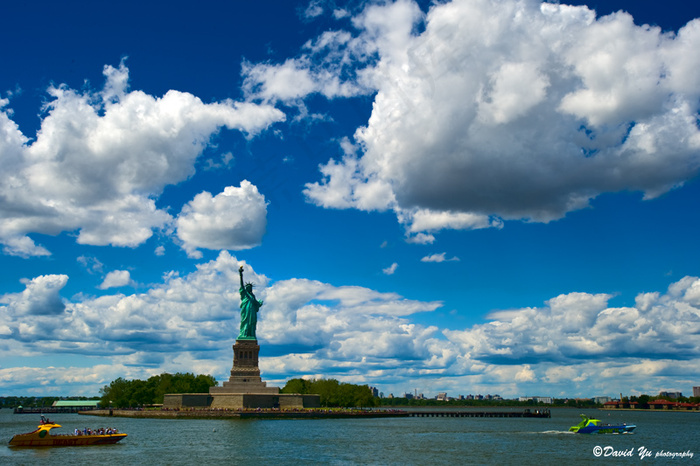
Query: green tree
131	393
116	393
333	393
161	384
141	393
202	383
296	386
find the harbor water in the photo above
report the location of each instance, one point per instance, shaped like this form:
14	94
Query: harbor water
660	437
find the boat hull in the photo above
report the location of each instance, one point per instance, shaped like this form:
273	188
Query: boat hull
607	429
29	440
42	438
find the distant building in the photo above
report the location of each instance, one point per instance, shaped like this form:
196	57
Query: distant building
601	399
375	391
73	405
661	404
674	395
611	404
442	396
696	391
537	399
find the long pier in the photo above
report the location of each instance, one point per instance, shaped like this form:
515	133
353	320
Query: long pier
51	410
540	413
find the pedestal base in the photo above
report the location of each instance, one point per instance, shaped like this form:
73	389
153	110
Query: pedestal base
244	389
245	374
241	401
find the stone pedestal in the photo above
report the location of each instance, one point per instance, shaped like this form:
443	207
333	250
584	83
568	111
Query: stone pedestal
245	374
244	389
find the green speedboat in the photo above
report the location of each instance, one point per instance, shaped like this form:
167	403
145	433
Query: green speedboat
591	425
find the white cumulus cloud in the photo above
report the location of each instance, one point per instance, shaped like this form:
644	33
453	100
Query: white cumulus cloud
579	326
233	219
41	297
100	159
391	269
439	258
116	279
509	110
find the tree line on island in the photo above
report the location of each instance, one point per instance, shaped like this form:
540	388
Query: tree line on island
122	393
334	393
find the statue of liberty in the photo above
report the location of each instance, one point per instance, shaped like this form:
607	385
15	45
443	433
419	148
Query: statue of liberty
249	310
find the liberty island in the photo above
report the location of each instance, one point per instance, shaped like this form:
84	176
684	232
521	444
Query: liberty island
245	389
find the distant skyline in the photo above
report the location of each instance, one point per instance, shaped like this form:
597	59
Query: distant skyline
468	196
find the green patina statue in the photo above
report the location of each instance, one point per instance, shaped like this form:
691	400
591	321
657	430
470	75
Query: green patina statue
249	310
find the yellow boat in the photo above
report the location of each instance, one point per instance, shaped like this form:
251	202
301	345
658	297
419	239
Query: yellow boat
42	437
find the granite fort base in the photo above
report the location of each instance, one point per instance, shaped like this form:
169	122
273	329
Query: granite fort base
244	389
240	401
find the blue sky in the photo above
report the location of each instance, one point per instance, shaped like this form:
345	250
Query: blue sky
467	196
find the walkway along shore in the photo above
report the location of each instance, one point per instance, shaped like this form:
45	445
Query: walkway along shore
317	413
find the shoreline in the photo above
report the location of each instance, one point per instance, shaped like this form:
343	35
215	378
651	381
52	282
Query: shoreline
310	413
314	413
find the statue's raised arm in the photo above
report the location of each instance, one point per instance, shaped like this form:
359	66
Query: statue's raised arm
240	273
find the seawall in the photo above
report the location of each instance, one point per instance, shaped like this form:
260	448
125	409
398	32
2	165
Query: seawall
245	414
